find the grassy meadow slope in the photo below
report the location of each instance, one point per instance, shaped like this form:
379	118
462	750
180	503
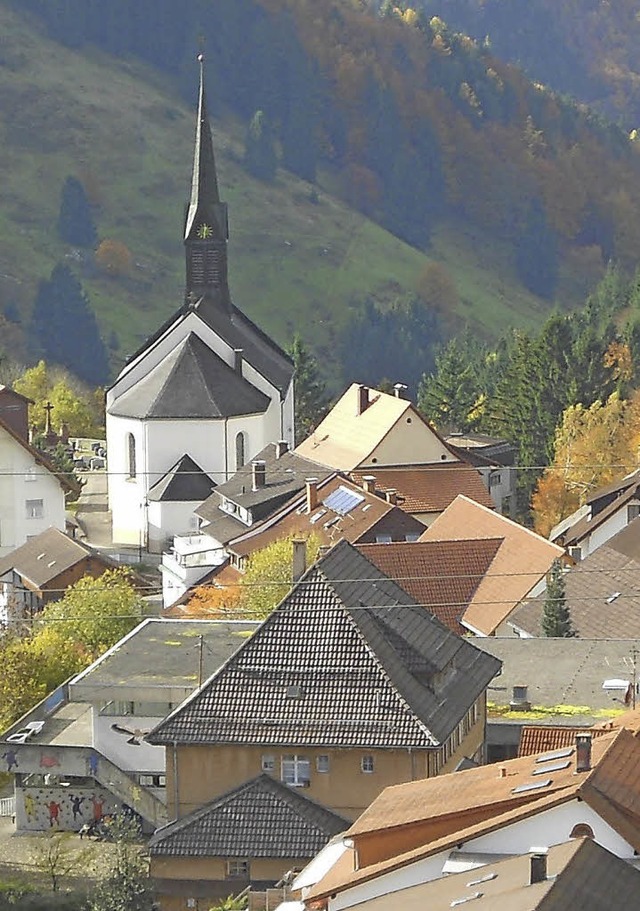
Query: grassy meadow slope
294	263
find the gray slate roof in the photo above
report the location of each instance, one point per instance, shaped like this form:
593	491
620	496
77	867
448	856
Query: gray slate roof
284	477
46	555
261	818
184	482
191	382
603	597
368	667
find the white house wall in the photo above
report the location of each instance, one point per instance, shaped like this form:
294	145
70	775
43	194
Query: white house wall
422	871
177	516
551	827
22	479
608	529
410	441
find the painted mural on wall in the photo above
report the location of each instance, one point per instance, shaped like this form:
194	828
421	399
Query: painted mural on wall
45	808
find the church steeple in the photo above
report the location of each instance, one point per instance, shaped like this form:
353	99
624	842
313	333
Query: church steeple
206	230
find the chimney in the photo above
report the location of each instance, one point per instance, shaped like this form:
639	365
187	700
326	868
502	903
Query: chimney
259	474
502	771
391	496
363	400
519	701
299	560
583	752
281	447
369	483
237	360
312	493
398	389
538	866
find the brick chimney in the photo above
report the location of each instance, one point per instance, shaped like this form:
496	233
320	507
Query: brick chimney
237	360
258	474
537	866
519	699
299	559
583	752
312	493
391	496
363	400
281	447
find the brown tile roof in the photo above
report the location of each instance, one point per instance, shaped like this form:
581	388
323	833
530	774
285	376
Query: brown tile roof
580	874
538	738
43	557
440	575
431	488
588	524
602	597
521	562
345	439
369	516
611	788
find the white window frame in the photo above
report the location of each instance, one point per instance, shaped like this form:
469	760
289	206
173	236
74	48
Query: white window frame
323	763
295	770
268	763
32	510
367	764
238	868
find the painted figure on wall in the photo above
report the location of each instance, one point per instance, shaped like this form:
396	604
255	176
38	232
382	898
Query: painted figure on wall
76	807
29	806
54	811
12	759
49	762
92	762
97	808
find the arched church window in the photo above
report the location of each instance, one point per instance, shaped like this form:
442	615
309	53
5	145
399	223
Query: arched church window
581	830
240	450
131	455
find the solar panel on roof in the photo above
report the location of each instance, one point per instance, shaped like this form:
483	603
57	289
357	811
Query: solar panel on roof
531	786
556	754
343	500
555	767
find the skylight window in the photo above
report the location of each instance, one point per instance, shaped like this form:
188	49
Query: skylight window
343	500
317	516
483	879
467	898
556	754
555	767
613	597
531	786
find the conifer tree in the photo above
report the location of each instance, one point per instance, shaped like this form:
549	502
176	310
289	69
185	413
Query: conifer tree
556	619
75	221
310	390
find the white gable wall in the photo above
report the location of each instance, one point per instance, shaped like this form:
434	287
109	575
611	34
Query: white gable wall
410	441
422	871
22	480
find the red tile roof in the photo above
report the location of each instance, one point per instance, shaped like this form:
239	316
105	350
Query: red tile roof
440	575
538	738
431	488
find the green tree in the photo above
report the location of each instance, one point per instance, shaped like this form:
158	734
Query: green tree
537	254
55	855
96	613
126	886
75	221
556	619
76	408
310	391
260	153
268	578
64	327
449	396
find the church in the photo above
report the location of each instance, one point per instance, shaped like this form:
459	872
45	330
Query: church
203	395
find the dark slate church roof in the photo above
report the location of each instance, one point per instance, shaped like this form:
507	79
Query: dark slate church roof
184	482
258	819
191	382
347	660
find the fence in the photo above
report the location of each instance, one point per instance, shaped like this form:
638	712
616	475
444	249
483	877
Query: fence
7	806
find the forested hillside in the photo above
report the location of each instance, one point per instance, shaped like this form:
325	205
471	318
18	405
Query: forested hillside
517	197
586	48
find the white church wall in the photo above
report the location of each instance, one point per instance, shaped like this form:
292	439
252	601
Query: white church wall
164	520
126	493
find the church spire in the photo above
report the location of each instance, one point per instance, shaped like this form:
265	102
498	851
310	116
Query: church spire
205	230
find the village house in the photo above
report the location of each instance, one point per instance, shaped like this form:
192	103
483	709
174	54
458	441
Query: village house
347	687
417	832
32	492
208	386
605	513
518	569
601	593
495	460
80	753
42	569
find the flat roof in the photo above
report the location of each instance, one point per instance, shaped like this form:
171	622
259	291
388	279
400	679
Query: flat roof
160	660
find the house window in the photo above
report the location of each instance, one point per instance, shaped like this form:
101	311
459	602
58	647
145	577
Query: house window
296	771
131	455
31	475
367	764
240	450
268	763
322	763
581	830
633	511
34	509
495	479
412	536
237	869
383	539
